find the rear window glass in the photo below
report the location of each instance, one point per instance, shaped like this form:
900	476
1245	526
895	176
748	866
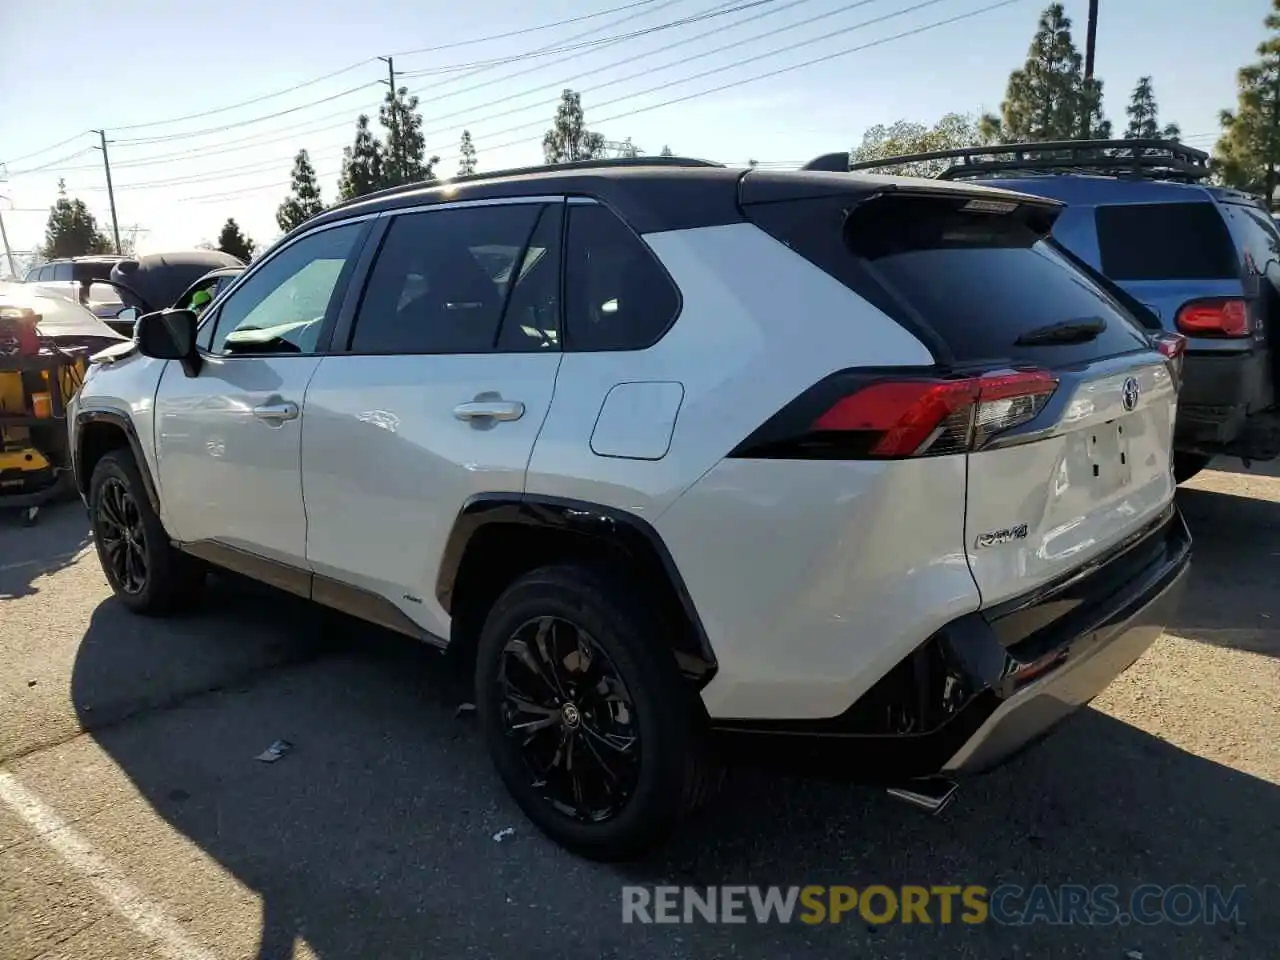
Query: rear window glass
985	282
1165	241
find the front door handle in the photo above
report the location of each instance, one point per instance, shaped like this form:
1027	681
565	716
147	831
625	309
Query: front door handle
489	409
277	413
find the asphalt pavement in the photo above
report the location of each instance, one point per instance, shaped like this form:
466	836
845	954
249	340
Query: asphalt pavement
135	821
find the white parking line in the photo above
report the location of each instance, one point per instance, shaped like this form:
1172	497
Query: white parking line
146	916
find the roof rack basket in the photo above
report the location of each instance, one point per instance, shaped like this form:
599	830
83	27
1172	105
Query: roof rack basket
1142	159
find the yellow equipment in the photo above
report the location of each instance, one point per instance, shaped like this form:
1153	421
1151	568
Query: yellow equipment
37	379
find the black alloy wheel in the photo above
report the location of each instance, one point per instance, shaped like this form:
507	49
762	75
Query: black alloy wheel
123	537
565	705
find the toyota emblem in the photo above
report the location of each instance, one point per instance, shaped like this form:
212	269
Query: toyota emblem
1129	393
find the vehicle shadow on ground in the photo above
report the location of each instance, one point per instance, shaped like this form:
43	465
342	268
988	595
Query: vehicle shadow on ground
1233	599
60	533
374	837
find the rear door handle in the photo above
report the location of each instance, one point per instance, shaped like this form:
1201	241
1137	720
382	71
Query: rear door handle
489	409
277	413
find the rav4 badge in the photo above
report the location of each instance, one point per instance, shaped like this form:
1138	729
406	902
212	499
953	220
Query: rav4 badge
1007	535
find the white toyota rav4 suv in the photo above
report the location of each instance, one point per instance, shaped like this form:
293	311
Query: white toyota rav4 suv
684	457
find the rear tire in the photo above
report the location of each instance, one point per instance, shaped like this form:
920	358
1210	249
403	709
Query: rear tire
1187	465
605	694
144	570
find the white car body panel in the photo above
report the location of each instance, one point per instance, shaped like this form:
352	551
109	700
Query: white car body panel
814	578
1072	513
811	578
737	351
387	466
225	473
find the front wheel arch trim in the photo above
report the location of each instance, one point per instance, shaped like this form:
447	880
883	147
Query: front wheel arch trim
121	422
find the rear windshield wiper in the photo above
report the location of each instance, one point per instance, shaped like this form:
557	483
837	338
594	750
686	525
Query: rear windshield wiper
1065	331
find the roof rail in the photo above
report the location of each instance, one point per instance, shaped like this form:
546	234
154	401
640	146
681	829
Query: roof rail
605	163
1143	159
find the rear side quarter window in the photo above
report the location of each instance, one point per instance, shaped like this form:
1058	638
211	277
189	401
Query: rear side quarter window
617	295
1165	241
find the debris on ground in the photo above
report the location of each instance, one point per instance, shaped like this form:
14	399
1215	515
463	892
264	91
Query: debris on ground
503	834
464	708
275	751
31	683
1133	955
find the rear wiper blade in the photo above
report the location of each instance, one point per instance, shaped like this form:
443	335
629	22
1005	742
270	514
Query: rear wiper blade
1065	331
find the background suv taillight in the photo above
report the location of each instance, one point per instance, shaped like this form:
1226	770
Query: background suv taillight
892	418
1216	317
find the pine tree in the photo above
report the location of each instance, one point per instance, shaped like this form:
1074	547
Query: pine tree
234	241
1144	123
303	201
466	155
1048	98
569	139
403	160
1249	149
362	163
72	231
953	131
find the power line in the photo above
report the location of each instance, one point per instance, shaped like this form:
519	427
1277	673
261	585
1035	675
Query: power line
168	138
253	139
244	103
52	163
298	129
642	56
933	25
740	63
524	31
718	11
778	72
48	149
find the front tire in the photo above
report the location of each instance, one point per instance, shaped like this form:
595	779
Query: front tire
585	716
144	570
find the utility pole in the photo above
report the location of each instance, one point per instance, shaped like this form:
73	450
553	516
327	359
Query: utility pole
111	195
13	270
4	237
391	73
1091	41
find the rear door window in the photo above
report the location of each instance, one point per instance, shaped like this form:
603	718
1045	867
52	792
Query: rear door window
443	277
1256	235
1165	241
617	296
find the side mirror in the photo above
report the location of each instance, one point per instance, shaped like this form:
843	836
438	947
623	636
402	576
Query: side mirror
169	335
128	315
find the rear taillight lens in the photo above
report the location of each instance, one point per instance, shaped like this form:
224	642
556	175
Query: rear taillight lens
1219	317
924	417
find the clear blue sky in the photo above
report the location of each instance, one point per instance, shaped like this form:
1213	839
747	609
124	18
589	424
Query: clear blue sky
70	65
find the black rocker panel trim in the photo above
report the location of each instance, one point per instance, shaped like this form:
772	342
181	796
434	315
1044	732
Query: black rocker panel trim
633	534
359	603
121	422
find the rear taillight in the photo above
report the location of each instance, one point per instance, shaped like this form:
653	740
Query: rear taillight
907	417
1219	317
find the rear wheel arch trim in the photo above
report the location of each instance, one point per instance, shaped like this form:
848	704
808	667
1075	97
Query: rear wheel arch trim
125	425
582	517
